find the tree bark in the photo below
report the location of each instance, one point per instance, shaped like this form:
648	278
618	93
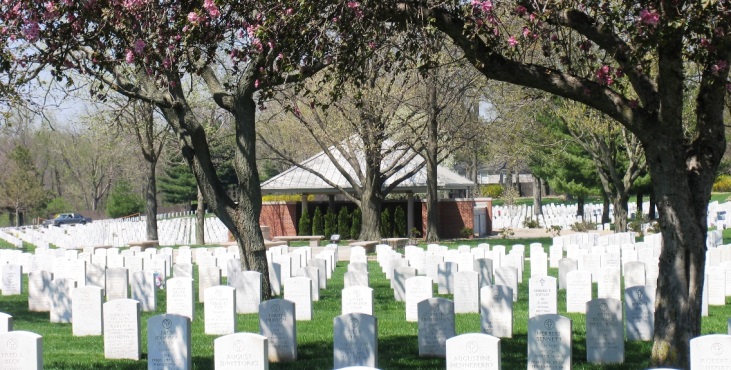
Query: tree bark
537	196
151	201
432	201
605	209
580	202
370	206
200	219
639	205
621	211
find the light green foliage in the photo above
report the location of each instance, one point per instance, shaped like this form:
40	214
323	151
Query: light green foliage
722	184
491	190
57	205
123	201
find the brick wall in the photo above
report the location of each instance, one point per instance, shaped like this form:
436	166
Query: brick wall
281	217
454	215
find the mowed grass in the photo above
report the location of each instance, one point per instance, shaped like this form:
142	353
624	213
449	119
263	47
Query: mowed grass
397	339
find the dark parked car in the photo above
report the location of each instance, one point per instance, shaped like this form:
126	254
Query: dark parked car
67	219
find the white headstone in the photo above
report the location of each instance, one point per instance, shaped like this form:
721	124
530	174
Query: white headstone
436	325
86	309
122	329
313	274
355	278
241	351
549	342
466	292
39	289
168	341
358	299
6	323
604	331
418	288
608	285
542	296
473	351
183	270
710	352
144	290
116	283
578	290
299	291
639	307
21	350
248	291
355	340
496	310
12	280
483	266
565	265
180	297
400	274
219	310
60	296
445	277
277	323
208	276
508	276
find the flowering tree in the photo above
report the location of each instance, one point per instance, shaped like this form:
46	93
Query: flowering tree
149	50
633	61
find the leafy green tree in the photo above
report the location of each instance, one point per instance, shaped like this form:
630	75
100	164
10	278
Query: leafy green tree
399	222
386	225
318	224
304	226
178	185
58	205
344	223
21	188
123	201
356	223
331	223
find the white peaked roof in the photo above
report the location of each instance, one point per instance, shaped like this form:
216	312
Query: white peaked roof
299	181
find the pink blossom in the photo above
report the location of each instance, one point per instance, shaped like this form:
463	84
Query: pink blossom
526	32
211	7
634	103
719	66
705	42
521	10
256	84
193	17
289	11
604	75
134	4
512	41
139	46
649	18
371	45
482	5
31	31
129	57
353	4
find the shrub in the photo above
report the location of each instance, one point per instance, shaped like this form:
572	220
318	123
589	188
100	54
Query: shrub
386	223
355	219
399	222
583	227
554	230
331	223
58	205
344	223
722	184
492	190
506	233
123	201
318	224
467	232
531	224
304	225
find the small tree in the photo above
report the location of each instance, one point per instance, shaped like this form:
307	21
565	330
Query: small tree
386	225
57	205
123	201
355	219
304	225
344	223
318	224
399	222
331	223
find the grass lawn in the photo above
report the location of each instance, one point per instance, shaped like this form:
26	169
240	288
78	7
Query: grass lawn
397	339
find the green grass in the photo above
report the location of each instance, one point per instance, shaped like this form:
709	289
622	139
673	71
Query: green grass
397	339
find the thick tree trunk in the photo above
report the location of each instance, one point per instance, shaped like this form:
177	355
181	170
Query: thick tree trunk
605	209
200	220
620	212
151	201
580	202
681	275
639	205
653	203
537	196
370	206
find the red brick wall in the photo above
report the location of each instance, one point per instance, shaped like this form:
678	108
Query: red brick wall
281	217
454	215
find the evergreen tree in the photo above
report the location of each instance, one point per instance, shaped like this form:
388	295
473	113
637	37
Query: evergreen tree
304	225
399	222
123	201
355	219
331	223
386	225
344	223
318	224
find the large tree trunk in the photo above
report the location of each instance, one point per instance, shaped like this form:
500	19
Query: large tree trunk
432	201
620	212
200	220
151	201
370	207
605	209
580	202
